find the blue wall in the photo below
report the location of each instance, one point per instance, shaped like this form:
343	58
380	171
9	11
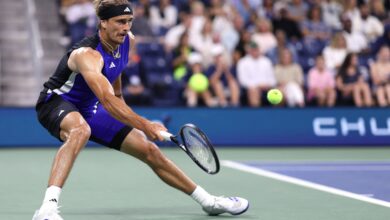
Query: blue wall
242	127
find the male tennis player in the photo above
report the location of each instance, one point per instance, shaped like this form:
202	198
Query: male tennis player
82	101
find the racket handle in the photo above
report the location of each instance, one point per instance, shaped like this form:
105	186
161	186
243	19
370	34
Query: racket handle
166	135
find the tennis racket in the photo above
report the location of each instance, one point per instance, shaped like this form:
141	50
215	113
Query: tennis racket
197	146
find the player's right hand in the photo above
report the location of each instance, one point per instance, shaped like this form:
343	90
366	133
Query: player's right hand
152	131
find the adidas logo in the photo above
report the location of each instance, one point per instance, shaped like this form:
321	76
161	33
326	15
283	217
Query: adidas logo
53	200
127	9
112	65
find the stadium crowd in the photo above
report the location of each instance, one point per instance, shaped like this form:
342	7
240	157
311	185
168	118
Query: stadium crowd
317	52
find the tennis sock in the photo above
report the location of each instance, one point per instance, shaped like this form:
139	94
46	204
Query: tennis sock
202	197
52	194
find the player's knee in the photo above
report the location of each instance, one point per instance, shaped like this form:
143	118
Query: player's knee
81	132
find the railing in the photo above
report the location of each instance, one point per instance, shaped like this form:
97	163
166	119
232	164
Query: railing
36	45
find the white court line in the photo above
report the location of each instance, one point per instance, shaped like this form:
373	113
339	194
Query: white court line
304	183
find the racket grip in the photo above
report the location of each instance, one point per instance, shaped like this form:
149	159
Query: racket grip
166	135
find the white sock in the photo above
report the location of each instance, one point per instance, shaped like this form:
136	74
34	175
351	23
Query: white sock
202	197
52	194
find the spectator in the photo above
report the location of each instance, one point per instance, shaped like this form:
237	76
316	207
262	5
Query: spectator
180	57
81	19
335	53
163	17
380	75
289	26
351	11
204	41
356	42
378	10
297	10
172	38
264	36
321	84
192	96
331	11
316	33
267	11
351	84
222	80
255	74
384	40
141	26
289	78
282	43
370	26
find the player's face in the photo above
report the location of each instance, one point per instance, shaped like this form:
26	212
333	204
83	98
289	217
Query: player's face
118	27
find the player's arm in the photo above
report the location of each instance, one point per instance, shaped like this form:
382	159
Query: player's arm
89	63
117	85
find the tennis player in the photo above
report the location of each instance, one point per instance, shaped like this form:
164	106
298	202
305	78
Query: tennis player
82	101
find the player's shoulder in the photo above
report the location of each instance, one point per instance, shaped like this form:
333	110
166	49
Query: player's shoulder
84	52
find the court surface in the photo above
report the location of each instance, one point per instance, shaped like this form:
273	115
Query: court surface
280	183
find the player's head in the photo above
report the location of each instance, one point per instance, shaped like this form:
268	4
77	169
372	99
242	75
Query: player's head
115	18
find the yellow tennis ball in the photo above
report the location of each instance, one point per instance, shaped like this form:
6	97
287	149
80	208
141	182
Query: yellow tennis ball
198	82
274	96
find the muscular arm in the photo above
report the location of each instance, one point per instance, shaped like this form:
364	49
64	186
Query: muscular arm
89	63
117	85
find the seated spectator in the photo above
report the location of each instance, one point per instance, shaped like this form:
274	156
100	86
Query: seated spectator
316	33
180	57
81	19
370	26
356	42
222	80
378	10
172	38
351	84
289	78
163	17
380	75
384	40
141	26
297	10
264	36
289	26
321	84
335	53
192	96
282	43
331	11
255	74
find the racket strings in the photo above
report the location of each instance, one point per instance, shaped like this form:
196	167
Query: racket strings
199	148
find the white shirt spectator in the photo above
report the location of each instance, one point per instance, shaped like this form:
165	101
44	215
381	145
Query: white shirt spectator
79	11
255	72
356	42
334	57
371	28
167	21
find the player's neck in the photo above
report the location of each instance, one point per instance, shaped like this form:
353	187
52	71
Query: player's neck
108	46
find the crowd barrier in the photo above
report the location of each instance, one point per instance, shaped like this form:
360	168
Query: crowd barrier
236	126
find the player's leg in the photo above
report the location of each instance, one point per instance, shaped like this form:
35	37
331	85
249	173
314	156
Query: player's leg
64	122
108	131
137	145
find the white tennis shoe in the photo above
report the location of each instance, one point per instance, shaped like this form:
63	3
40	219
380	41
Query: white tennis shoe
232	205
48	211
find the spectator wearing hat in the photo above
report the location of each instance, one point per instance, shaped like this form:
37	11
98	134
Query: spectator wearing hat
222	81
255	74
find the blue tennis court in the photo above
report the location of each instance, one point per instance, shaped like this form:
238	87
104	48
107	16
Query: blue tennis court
359	180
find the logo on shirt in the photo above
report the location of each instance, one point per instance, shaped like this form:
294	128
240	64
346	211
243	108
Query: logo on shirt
112	65
127	9
60	113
